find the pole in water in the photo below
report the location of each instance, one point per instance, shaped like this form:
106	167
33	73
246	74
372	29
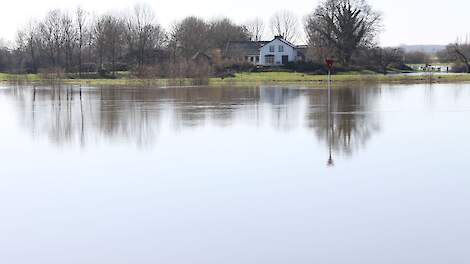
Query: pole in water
331	163
329	88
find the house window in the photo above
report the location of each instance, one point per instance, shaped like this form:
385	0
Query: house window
269	59
271	48
252	59
281	48
257	59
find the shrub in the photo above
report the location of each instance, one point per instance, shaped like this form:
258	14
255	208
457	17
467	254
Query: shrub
303	66
233	66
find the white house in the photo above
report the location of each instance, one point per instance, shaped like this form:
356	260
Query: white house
276	52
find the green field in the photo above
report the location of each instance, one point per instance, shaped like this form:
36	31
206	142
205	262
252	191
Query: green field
286	77
253	78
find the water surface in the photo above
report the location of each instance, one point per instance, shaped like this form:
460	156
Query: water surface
235	175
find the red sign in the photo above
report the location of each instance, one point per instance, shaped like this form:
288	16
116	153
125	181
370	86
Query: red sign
330	63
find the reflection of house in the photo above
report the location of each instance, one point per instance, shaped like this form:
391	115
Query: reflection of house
266	53
277	96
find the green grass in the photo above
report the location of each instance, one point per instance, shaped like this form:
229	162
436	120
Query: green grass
252	78
286	77
19	77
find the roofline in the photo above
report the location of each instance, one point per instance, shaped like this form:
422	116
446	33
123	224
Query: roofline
280	38
247	41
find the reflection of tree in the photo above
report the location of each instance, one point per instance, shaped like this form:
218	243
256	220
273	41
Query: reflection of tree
194	106
352	125
70	114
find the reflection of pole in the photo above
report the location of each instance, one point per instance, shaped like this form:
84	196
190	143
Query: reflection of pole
329	90
329	130
34	110
82	132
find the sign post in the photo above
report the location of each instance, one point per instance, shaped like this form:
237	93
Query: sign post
329	63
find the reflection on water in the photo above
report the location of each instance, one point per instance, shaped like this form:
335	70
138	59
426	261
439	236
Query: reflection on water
81	115
351	122
235	175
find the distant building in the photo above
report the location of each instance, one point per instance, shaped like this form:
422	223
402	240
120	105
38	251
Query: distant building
202	57
276	52
244	51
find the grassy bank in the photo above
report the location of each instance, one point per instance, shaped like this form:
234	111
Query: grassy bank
286	77
254	78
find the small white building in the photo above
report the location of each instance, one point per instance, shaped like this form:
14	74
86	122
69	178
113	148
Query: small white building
276	52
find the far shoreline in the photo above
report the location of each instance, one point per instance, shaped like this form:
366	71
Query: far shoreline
242	79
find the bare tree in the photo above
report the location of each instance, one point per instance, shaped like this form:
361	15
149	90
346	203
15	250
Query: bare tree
462	52
99	32
27	41
51	35
344	26
141	26
80	17
384	57
114	29
285	23
68	33
255	29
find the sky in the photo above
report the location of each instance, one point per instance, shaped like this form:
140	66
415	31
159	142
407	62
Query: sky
405	21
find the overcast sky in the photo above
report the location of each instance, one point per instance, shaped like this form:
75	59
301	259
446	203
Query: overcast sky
405	21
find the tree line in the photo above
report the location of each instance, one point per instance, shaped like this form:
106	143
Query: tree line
80	43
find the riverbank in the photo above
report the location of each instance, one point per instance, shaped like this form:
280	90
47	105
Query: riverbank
253	78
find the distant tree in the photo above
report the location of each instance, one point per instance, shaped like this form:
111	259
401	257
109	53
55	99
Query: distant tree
69	37
285	23
51	36
221	31
445	56
80	22
143	33
114	30
100	41
190	36
384	57
417	57
255	29
462	54
343	26
5	54
27	43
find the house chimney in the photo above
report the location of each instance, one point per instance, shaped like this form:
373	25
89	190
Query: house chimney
278	37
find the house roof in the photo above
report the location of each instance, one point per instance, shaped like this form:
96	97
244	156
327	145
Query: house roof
251	48
281	38
243	48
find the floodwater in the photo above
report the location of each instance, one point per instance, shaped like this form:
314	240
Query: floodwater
235	175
